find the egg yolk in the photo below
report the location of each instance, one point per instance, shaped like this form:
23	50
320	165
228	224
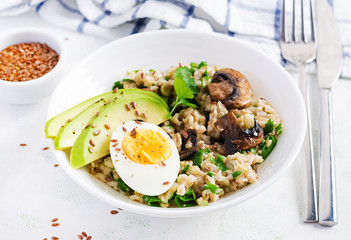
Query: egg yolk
145	146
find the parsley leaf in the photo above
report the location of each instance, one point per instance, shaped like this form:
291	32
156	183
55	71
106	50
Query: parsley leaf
267	150
186	169
187	200
123	186
268	128
185	88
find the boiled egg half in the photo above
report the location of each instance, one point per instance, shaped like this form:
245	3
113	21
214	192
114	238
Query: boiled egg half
145	157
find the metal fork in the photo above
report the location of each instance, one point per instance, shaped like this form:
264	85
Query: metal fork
301	49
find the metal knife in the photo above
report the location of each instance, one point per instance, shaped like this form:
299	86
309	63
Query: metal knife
329	62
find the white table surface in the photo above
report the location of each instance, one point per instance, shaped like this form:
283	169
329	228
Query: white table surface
33	191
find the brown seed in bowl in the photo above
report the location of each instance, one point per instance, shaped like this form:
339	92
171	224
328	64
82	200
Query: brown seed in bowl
26	61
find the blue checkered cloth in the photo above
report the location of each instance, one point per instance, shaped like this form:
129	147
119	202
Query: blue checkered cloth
257	22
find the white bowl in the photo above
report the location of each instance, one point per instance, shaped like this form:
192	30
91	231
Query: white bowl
34	90
159	50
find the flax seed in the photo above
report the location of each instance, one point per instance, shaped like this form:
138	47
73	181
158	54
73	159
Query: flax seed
69	120
89	238
165	183
54	220
163	164
54	238
55	224
137	113
80	237
143	115
124	129
127	107
107	126
56	165
114	211
117	149
84	234
92	143
91	149
94	125
98	113
115	90
45	148
97	132
115	145
23	144
114	140
133	132
87	125
138	122
133	105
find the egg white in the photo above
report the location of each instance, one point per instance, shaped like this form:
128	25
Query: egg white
153	179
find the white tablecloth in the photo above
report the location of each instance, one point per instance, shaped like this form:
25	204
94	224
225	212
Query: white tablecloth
33	191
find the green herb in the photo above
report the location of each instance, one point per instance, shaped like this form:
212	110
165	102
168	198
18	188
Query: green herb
151	71
213	188
169	126
123	186
198	157
187	200
236	173
166	78
253	150
268	128
205	203
267	150
205	78
219	162
136	71
119	84
278	129
211	175
192	70
198	66
185	88
186	169
153	201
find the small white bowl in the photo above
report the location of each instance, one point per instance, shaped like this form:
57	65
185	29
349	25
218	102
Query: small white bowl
37	89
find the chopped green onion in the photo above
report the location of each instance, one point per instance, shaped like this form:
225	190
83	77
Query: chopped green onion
253	150
211	175
166	78
267	150
219	162
236	173
198	157
213	188
169	126
198	66
186	169
153	201
205	203
278	129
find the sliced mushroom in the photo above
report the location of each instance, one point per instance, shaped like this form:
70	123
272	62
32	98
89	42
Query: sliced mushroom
189	142
231	88
235	138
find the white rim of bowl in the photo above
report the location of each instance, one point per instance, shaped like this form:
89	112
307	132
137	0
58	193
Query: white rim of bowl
190	211
46	76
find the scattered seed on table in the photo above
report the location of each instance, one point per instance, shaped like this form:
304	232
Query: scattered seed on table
114	212
54	238
45	148
56	165
84	234
80	237
55	224
54	220
166	183
23	144
89	237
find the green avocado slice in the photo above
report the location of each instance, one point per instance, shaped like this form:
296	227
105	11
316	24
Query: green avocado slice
54	124
67	134
93	143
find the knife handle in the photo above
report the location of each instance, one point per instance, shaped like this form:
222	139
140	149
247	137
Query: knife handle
327	191
310	211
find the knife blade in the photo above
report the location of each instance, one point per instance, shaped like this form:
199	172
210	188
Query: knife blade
329	62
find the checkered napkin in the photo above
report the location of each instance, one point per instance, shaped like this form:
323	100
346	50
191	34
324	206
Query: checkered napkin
257	22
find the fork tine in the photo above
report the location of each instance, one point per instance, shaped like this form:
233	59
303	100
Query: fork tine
312	21
303	36
283	36
294	25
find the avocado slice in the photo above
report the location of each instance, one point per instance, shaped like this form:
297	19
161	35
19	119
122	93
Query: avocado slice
111	116
54	124
67	134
